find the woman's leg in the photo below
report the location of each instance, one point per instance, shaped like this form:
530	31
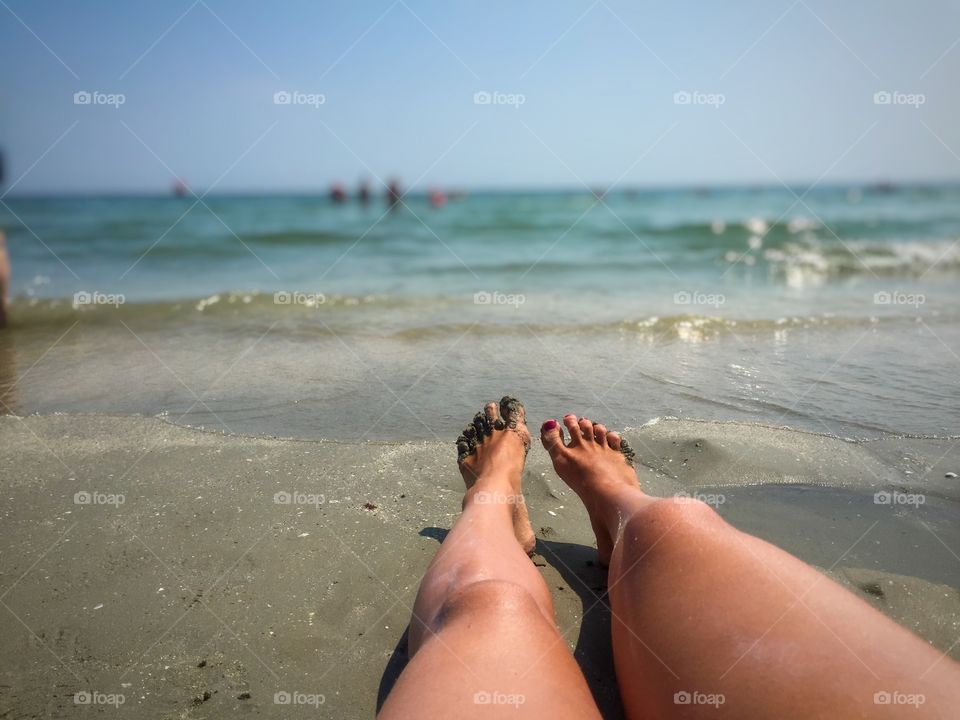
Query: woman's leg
711	622
483	638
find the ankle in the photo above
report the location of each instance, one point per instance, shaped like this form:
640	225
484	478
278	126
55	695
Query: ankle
615	507
497	479
493	490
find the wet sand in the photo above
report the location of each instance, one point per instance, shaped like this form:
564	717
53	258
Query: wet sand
201	595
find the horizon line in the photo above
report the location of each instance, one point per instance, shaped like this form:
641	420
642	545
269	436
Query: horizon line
500	189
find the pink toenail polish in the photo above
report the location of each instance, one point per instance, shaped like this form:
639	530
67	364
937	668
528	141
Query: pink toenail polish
548	425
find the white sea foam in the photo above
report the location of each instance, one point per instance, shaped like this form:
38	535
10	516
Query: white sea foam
812	262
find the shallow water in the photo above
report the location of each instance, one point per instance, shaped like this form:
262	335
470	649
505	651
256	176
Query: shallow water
836	314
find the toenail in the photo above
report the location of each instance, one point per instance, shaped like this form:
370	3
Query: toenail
569	415
548	425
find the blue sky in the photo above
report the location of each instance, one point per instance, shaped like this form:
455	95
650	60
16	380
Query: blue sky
598	81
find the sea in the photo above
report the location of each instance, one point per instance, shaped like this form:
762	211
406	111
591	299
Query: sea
831	310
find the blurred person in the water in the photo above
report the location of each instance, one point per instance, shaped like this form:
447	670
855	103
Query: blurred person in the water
394	195
337	194
438	198
707	621
363	192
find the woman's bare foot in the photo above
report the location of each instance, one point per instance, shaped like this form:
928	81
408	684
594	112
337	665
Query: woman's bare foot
491	452
597	465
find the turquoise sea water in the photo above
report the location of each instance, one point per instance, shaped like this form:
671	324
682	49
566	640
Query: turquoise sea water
834	310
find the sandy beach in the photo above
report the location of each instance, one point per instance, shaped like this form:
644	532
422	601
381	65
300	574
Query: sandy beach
196	575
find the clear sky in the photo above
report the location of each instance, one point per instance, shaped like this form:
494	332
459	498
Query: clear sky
779	89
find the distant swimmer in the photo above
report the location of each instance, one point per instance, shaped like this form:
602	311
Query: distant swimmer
180	188
4	280
337	193
363	193
438	198
393	193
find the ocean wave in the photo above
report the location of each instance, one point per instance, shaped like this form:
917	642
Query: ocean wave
684	328
297	238
396	316
104	309
774	231
812	261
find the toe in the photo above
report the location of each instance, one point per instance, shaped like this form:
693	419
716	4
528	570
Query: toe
466	444
576	435
599	433
613	440
512	411
552	438
515	417
482	426
492	411
586	427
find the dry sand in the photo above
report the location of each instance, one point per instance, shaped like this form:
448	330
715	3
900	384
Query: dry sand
200	596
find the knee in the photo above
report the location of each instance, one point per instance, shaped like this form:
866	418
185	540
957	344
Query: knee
673	519
497	601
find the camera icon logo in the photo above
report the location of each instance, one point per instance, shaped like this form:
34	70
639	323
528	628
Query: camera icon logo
482	97
482	298
82	498
882	97
282	498
881	298
84	697
82	97
282	698
682	98
282	97
282	298
682	698
682	298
